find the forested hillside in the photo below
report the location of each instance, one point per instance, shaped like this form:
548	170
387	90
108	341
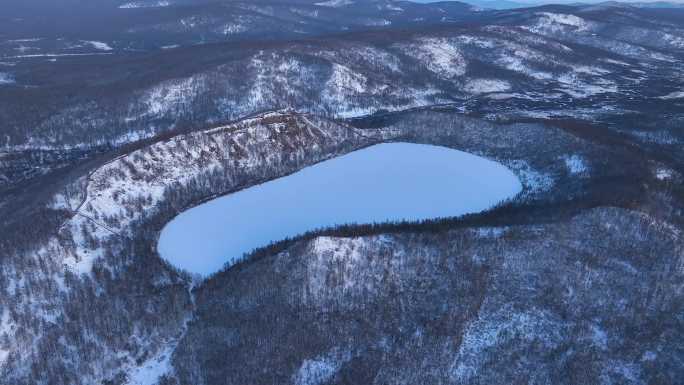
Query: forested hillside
110	129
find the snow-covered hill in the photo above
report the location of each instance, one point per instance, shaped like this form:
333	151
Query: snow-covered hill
490	304
111	126
101	252
49	285
528	64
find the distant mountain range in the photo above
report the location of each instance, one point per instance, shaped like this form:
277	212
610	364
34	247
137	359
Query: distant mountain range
506	4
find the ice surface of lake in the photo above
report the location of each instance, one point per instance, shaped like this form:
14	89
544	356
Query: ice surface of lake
386	182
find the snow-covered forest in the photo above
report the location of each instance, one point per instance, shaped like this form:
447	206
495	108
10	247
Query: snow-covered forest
110	129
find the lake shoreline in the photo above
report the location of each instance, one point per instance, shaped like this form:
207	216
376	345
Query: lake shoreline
387	182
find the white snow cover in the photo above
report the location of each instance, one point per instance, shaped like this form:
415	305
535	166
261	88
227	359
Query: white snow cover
145	4
575	164
673	95
549	23
565	19
345	90
483	86
343	78
320	369
5	330
575	86
233	28
664	173
516	51
151	370
6	78
534	327
517	64
440	55
531	178
25	40
194	21
328	250
625	372
52	55
518	37
476	41
105	209
273	72
368	56
100	45
599	337
342	84
171	95
490	232
335	3
649	356
589	70
376	22
616	62
675	41
393	7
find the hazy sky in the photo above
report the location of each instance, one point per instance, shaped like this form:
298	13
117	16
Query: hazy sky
595	1
539	2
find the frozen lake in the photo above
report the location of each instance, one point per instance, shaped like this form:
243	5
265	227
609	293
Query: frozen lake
386	182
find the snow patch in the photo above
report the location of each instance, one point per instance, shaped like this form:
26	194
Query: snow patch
341	88
145	4
599	337
673	95
574	86
532	179
54	55
5	330
552	23
516	63
170	96
343	78
621	372
99	45
441	56
233	28
153	369
320	369
335	3
490	232
485	334
663	174
590	70
476	41
672	40
377	22
6	78
575	164
565	19
26	40
616	62
483	86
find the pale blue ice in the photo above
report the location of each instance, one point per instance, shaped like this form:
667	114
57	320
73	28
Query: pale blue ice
386	182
